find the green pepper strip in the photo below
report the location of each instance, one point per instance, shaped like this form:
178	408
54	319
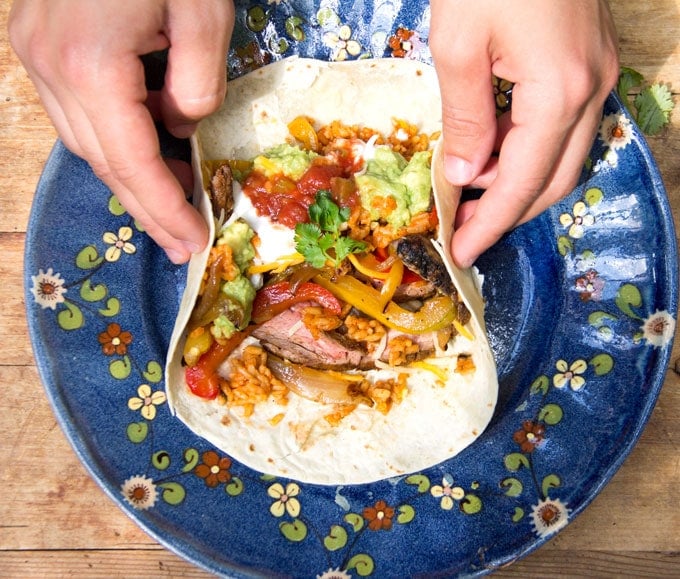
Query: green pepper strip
437	313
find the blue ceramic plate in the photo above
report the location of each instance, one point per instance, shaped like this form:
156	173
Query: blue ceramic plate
581	314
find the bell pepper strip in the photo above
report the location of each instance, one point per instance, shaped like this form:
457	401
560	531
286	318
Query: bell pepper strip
392	282
436	313
303	131
273	299
368	266
203	379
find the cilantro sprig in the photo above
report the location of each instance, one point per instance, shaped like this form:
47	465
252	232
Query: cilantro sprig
320	240
651	106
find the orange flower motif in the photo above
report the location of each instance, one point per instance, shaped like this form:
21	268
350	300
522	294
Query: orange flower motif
530	436
114	340
400	42
379	516
214	470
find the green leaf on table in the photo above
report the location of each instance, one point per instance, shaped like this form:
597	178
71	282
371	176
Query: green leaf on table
654	105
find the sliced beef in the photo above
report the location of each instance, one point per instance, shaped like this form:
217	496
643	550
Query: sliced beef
419	255
222	191
286	336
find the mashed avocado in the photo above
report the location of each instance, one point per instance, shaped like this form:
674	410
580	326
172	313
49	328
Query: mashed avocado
407	184
284	159
240	292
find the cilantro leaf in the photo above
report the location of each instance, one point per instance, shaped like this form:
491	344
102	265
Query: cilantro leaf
320	240
654	105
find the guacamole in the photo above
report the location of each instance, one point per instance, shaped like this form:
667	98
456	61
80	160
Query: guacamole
284	159
408	184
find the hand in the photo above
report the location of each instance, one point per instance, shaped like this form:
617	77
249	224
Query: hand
562	57
83	58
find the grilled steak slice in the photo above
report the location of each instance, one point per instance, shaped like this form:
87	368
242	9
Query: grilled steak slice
222	192
419	255
286	336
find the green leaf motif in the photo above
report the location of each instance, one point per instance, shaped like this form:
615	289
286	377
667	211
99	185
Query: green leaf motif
115	207
362	563
540	385
112	308
173	493
420	481
552	481
551	414
153	372
257	19
191	458
234	487
70	318
471	504
336	538
515	461
294	531
120	369
593	196
161	460
513	486
355	520
294	28
599	318
602	364
137	432
627	298
564	245
278	46
518	515
88	258
92	293
406	514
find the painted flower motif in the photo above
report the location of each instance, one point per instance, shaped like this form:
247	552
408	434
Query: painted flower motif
570	374
530	436
48	289
379	516
447	492
341	43
502	90
146	401
659	328
400	42
334	574
119	243
609	160
578	221
549	516
114	340
616	131
213	470
590	286
140	492
286	501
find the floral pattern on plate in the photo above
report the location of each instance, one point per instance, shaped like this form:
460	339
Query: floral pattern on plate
581	315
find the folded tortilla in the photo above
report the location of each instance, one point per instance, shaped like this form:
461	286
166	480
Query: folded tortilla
434	421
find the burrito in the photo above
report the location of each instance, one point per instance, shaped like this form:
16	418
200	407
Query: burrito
326	335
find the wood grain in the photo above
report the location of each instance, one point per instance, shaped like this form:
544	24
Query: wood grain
56	522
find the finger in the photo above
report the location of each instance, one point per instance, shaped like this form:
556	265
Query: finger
461	58
507	202
195	81
129	159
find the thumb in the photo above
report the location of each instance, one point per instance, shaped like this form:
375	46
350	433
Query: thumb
461	59
195	80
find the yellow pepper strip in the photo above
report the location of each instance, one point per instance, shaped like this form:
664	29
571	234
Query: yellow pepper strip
437	313
198	343
438	371
279	265
392	282
303	131
364	266
462	330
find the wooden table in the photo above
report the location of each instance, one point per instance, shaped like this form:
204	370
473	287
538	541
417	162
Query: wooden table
55	521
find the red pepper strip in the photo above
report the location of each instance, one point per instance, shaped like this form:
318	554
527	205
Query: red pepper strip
273	299
409	276
203	379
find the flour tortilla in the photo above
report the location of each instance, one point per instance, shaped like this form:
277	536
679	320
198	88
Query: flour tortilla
433	422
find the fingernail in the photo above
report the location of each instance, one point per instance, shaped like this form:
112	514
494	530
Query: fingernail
457	171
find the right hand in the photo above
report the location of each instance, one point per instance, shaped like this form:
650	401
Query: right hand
83	58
